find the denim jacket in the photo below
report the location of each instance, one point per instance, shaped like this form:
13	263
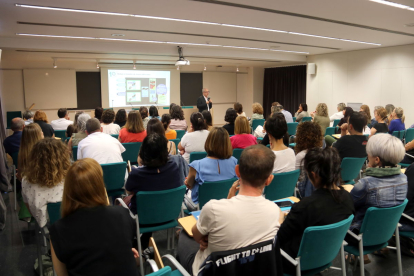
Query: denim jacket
382	187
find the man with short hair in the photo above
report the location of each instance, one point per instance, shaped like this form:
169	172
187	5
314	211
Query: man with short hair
238	221
12	143
28	117
353	145
287	114
63	122
204	102
99	146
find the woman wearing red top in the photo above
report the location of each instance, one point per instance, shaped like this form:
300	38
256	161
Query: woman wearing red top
134	130
242	138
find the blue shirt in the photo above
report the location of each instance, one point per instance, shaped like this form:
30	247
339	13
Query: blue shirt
12	143
396	125
288	116
207	170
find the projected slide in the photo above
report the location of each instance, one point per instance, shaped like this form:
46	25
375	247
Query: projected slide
138	88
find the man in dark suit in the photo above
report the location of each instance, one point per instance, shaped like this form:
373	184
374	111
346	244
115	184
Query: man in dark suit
204	102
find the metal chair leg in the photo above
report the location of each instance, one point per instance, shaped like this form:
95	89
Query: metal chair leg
397	240
343	260
361	258
14	186
168	239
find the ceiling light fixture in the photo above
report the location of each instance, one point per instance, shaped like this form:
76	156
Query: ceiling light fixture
178	67
237	70
205	68
134	67
393	4
203	22
97	63
54	63
152	41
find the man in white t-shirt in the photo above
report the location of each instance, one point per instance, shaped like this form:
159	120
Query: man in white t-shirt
99	146
63	122
237	221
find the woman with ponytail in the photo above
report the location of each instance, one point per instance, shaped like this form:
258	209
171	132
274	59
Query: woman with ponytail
166	121
398	118
380	126
195	138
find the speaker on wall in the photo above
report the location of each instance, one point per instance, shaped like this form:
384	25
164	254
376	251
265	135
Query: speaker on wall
311	68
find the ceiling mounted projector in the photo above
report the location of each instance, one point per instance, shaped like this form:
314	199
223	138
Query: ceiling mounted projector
181	60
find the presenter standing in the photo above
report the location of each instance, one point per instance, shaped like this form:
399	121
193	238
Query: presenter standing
204	102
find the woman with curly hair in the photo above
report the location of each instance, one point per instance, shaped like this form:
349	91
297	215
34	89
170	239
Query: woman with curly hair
230	117
43	179
121	117
177	118
321	117
257	112
108	126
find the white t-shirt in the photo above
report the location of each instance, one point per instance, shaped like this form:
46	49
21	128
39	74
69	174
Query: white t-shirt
367	131
37	197
110	128
60	124
285	161
193	141
101	147
336	116
237	222
299	163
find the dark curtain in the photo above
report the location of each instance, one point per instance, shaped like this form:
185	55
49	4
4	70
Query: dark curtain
286	85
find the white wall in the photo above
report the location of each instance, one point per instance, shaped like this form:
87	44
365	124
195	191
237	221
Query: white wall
373	77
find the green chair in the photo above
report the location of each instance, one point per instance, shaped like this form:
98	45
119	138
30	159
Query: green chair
292	145
214	190
75	153
165	271
351	168
61	134
131	152
409	135
336	122
404	165
399	134
197	155
11	115
283	185
114	178
259	139
377	228
237	153
292	128
330	238
306	119
53	210
294	119
135	108
176	142
256	123
407	234
115	136
180	134
330	131
15	157
111	108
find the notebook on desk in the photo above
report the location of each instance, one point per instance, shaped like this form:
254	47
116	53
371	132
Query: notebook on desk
285	208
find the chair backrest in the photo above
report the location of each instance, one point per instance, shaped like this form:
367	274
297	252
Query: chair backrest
306	119
237	153
61	134
11	115
131	152
292	128
256	123
330	131
409	135
176	142
15	157
379	224
336	122
398	134
114	175
53	210
294	119
159	206
350	167
197	155
165	271
402	135
214	190
283	185
180	134
75	153
115	136
329	237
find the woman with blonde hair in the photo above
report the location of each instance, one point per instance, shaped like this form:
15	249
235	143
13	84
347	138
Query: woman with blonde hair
134	130
242	137
99	235
43	180
31	134
380	126
366	109
257	112
398	118
40	118
321	117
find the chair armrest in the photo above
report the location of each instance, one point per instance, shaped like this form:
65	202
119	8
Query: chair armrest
153	265
177	265
408	217
355	236
289	258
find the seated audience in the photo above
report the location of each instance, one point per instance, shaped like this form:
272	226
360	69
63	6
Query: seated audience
12	143
99	146
40	118
373	121
340	114
347	112
156	172
320	116
76	250
409	149
257	113
153	112
365	108
218	165
242	137
390	108
80	131
178	121
166	121
328	204
380	126
287	114
108	126
302	112
239	109
98	113
43	178
144	115
28	117
134	130
222	224
73	127
155	126
121	117
397	123
171	107
406	224
63	122
208	119
31	135
230	117
195	139
276	128
367	130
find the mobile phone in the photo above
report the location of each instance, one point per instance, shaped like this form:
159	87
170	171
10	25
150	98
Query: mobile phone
285	203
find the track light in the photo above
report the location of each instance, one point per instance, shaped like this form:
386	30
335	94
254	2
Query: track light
205	68
97	64
134	67
54	63
178	67
237	70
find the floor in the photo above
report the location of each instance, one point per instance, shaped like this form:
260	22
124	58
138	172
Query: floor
18	251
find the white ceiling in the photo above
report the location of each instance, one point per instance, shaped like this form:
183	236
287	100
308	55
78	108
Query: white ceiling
361	20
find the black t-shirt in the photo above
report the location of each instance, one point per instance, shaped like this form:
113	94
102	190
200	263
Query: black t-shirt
351	146
229	128
144	179
46	128
96	241
409	209
381	127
